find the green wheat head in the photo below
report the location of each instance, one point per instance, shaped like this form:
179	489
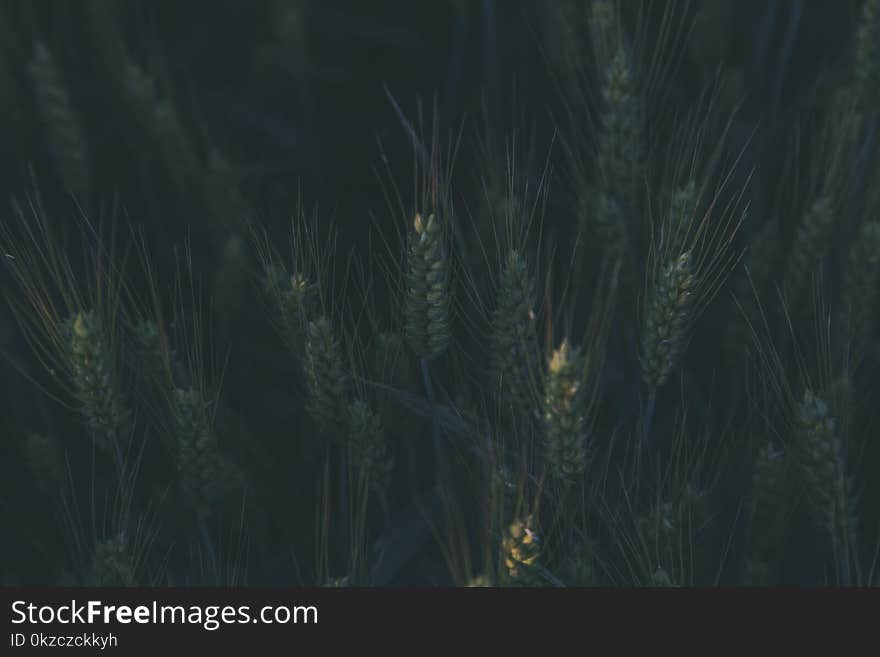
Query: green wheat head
666	321
767	509
867	68
64	133
861	284
197	458
564	410
514	339
94	374
810	244
327	377
427	304
113	565
368	446
823	468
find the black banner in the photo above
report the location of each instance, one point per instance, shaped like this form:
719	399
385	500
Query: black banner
128	621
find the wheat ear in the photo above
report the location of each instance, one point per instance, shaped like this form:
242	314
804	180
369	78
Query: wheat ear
112	564
64	133
767	510
823	468
810	243
666	320
197	457
96	380
368	446
861	282
514	348
620	144
867	56
520	552
564	409
327	377
427	302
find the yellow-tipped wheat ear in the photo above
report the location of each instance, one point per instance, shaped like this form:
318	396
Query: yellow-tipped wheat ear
198	459
64	134
564	409
823	468
368	447
520	551
514	349
327	377
428	296
666	320
295	300
860	286
95	379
